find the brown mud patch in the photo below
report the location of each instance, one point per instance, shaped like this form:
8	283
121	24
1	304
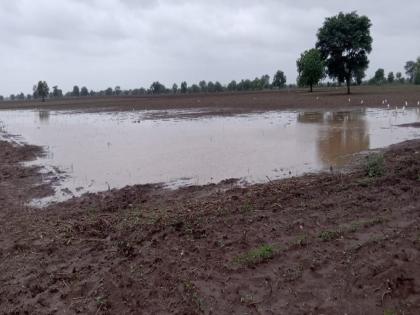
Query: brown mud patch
332	243
414	124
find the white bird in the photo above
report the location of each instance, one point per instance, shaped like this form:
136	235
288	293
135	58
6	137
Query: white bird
383	102
361	102
406	103
418	103
388	105
349	99
403	108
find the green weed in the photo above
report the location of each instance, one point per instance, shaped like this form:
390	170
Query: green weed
247	207
329	235
256	256
375	166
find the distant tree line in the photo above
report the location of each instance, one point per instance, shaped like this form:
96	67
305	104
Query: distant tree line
412	71
42	91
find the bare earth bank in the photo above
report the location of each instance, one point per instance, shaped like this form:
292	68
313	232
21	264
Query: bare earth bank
318	244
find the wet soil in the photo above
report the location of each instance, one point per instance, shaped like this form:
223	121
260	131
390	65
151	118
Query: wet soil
331	243
228	103
415	125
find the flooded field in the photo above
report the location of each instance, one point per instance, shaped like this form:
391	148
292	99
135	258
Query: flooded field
97	151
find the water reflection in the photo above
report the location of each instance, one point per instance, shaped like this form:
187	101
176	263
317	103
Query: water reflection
44	116
310	117
347	133
340	134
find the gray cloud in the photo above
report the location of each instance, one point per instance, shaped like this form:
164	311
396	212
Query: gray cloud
101	43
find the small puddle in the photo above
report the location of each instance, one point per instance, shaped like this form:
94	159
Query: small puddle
92	152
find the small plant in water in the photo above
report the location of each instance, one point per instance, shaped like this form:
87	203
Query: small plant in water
375	165
256	256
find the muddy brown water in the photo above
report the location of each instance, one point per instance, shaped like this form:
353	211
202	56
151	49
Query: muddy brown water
93	152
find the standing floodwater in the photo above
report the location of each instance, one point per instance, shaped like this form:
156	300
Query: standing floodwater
114	149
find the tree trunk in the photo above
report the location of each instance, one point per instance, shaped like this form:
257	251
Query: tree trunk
311	87
348	85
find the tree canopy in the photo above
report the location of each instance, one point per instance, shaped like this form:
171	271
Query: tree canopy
41	90
311	68
279	79
184	87
345	42
410	69
391	77
84	91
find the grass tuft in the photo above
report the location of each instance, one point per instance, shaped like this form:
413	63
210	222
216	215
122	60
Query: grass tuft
329	235
256	256
375	166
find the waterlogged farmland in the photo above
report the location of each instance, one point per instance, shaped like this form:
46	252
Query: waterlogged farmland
97	151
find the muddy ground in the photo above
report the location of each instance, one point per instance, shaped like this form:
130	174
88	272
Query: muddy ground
332	243
238	102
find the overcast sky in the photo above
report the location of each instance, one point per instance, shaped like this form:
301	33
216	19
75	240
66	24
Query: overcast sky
131	43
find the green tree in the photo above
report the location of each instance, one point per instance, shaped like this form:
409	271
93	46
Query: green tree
117	90
195	88
203	86
109	92
210	87
41	90
57	93
218	87
417	72
311	68
157	88
232	86
184	87
76	91
358	76
265	81
379	77
257	84
174	88
84	91
1	98
344	42
399	77
246	85
410	70
279	79
391	77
